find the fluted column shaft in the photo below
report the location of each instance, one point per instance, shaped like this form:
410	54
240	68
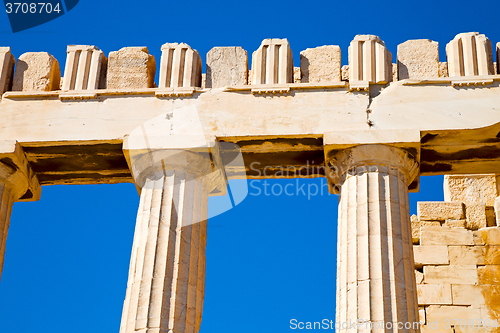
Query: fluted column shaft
17	183
167	270
7	200
375	280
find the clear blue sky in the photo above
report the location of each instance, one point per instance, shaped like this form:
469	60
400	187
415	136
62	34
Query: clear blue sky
271	259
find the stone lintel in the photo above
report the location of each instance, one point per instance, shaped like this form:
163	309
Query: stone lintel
16	171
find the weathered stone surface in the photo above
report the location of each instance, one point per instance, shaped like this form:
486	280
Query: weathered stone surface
418	58
466	294
497	211
419	277
16	180
440	211
272	62
430	255
466	255
434	294
7	63
84	67
421	314
492	255
416	225
203	80
36	71
445	314
498	57
443	69
395	76
478	240
475	216
490	216
436	327
469	54
180	66
445	236
455	223
362	235
471	188
489	274
167	271
321	64
453	274
226	66
297	75
345	73
490	236
369	60
131	68
476	329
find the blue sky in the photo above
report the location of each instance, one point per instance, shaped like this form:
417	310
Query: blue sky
269	260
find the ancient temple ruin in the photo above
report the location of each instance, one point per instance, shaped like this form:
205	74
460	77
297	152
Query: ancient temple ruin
374	125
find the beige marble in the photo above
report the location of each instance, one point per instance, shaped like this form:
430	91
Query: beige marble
180	66
496	206
445	236
166	282
440	211
7	63
272	62
475	215
375	244
431	255
345	73
417	224
455	223
17	183
297	75
369	61
436	313
226	66
36	71
418	58
498	58
321	64
467	294
469	54
467	255
84	69
443	69
131	68
453	274
489	236
434	294
471	189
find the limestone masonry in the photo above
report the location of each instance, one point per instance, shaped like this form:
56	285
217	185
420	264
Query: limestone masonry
374	126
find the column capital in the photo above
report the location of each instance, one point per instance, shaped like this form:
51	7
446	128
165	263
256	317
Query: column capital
398	149
155	163
371	158
16	172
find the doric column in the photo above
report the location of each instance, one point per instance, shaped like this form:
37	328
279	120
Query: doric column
375	279
17	183
167	270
